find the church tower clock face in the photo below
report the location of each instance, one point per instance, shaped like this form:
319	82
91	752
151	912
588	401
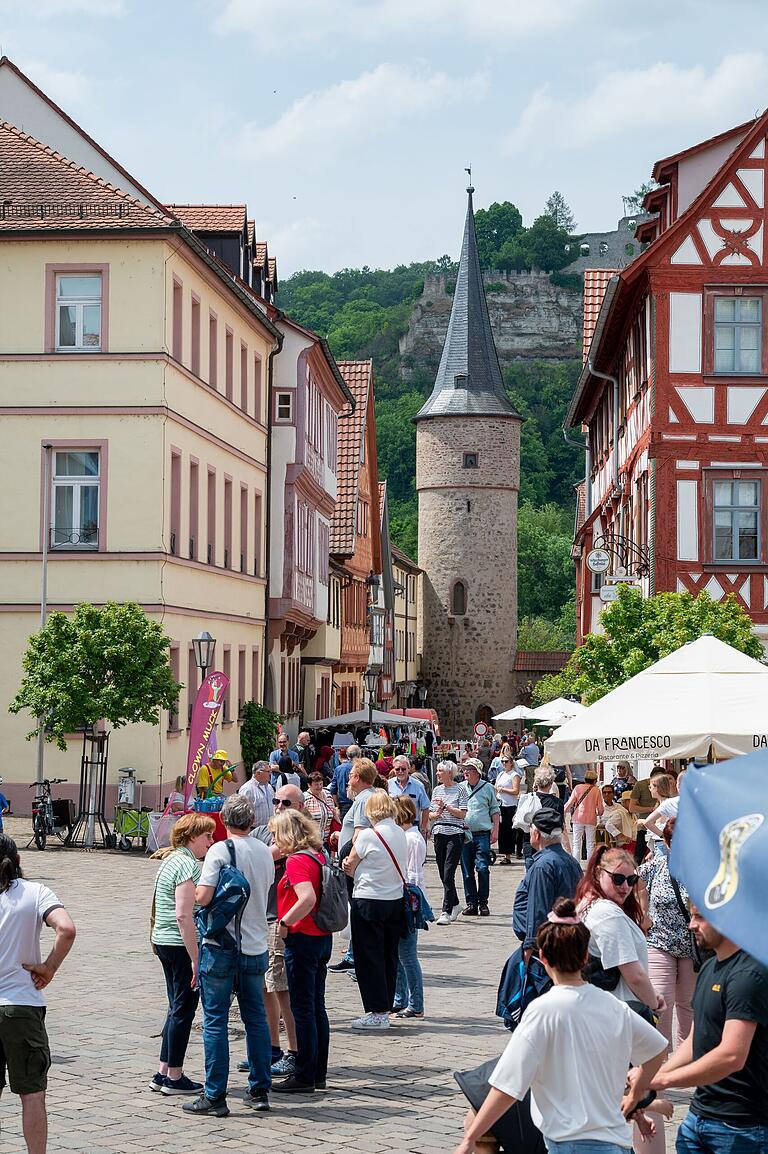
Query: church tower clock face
467	478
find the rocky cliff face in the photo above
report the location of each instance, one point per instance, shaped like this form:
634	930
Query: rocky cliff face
530	317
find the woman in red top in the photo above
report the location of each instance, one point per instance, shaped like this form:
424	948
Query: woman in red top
307	949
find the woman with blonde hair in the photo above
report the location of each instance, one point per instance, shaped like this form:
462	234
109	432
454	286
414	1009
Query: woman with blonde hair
307	948
378	862
174	940
585	806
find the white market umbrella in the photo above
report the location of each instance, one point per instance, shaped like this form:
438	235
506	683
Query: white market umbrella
519	713
359	717
706	695
557	711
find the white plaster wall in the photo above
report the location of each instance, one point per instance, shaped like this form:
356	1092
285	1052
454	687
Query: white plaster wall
687	521
695	172
685	332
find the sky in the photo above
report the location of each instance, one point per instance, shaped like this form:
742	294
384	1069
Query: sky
346	125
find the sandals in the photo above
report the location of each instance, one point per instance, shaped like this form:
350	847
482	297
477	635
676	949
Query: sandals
408	1013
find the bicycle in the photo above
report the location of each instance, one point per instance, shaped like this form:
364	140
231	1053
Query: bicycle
49	816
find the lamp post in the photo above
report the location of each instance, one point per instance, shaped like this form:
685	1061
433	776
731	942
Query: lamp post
370	677
204	647
423	691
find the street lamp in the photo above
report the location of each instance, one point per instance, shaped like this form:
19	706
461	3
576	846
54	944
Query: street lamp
204	647
423	694
370	677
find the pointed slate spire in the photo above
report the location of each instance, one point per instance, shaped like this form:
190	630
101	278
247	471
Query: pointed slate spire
469	381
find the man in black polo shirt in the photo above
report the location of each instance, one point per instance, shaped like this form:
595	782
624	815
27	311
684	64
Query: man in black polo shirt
725	1056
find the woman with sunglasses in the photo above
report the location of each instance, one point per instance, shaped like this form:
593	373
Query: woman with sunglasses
609	904
507	785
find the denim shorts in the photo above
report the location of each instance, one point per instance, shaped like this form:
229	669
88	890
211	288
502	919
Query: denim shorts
586	1146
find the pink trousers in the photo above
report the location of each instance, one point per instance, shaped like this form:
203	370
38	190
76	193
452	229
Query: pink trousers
674	979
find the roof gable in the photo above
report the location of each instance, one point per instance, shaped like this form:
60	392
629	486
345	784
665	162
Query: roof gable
42	190
29	109
359	378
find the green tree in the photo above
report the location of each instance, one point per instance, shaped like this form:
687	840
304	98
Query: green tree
640	631
258	732
541	246
559	210
495	227
547	636
108	663
633	204
545	570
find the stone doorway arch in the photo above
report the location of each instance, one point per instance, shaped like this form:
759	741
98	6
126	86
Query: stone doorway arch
484	713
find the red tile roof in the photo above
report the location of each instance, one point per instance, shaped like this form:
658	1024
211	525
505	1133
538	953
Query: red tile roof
210	217
595	284
40	189
359	377
260	253
403	559
540	660
272	269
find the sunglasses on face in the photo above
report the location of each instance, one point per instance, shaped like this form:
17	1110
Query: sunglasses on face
282	801
621	879
505	761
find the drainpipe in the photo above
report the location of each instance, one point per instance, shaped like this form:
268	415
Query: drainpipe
615	382
268	519
587	467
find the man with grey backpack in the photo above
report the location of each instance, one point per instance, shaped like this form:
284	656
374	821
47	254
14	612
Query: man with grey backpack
234	961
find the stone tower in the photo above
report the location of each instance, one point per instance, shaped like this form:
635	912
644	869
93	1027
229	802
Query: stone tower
467	477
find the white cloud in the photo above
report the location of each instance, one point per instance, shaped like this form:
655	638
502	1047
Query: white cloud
313	21
353	110
65	88
624	103
45	9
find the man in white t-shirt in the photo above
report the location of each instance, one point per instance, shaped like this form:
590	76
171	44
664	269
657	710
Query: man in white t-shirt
24	907
240	969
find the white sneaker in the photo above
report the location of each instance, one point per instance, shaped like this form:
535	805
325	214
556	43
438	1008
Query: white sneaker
371	1022
445	919
455	912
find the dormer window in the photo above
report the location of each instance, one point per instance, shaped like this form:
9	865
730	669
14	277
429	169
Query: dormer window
460	381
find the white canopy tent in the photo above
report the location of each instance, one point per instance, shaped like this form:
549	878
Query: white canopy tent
361	717
519	713
704	696
557	711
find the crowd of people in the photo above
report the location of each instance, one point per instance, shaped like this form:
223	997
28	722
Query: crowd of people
645	995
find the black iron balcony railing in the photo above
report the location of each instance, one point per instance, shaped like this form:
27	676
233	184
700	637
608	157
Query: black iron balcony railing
78	537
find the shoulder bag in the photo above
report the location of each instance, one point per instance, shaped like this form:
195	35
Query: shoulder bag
698	957
417	910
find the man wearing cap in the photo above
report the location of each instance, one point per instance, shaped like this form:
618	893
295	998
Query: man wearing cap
211	778
553	873
403	785
482	821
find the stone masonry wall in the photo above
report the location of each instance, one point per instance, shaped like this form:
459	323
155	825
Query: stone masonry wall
468	532
530	317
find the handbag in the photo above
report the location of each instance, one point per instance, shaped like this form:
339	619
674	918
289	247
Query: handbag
698	957
529	804
417	910
514	1130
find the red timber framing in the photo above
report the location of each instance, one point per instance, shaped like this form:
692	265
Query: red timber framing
679	452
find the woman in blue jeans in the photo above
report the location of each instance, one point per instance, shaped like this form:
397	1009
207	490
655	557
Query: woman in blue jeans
572	1050
409	992
307	948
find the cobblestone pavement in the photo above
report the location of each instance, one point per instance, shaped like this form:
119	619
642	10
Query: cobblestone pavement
386	1091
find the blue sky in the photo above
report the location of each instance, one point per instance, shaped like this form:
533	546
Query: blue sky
345	125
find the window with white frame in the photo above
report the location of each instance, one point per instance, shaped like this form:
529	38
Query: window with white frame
75	504
284	407
78	312
736	511
738	334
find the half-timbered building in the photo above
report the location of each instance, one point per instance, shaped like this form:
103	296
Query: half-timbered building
673	397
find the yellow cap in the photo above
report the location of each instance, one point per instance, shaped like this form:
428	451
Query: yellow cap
220	755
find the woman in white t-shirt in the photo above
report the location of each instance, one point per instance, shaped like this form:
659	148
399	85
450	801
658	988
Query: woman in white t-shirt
609	902
665	790
507	786
377	862
409	993
572	1050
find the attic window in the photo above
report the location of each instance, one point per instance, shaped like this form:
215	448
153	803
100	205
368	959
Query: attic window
470	461
460	381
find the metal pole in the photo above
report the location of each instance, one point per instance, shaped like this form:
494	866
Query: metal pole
40	773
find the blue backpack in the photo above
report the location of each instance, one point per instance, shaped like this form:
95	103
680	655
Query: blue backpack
518	987
227	904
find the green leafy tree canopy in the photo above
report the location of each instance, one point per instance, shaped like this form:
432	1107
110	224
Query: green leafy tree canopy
495	227
560	211
640	631
108	663
258	732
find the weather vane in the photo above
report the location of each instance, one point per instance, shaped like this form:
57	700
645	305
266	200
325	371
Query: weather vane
469	174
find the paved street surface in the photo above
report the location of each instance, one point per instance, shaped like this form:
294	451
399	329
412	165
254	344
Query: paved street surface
386	1091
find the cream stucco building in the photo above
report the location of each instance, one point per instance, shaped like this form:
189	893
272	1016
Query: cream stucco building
133	352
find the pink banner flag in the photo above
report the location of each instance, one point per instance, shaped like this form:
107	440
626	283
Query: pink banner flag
205	713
